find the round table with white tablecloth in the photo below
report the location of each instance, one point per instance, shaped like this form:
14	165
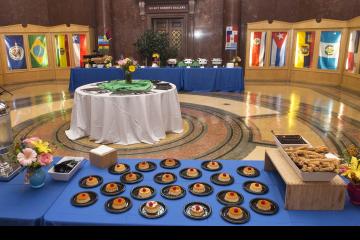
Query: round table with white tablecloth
124	118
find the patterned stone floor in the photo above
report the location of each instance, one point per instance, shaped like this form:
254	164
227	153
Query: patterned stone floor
217	125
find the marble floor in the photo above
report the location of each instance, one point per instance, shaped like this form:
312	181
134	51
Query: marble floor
217	125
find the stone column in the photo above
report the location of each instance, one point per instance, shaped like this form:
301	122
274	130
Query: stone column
232	17
104	20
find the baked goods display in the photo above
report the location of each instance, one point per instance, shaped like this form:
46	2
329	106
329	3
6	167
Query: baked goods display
248	171
84	199
165	178
131	177
232	197
190	173
119	168
197	210
145	166
255	187
264	206
143	192
153	209
229	197
118	205
235	214
170	163
200	189
112	188
222	179
313	159
90	181
211	165
173	192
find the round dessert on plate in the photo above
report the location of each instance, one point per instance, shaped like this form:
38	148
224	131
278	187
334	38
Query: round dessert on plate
143	192
200	189
248	171
170	163
211	165
118	205
222	179
84	199
165	178
145	166
131	177
173	192
235	214
90	181
190	173
197	210
228	197
255	187
153	209
119	168
264	206
112	188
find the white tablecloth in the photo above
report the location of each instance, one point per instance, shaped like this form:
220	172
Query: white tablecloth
125	119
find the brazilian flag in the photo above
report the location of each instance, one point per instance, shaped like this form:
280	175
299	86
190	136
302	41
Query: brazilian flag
38	51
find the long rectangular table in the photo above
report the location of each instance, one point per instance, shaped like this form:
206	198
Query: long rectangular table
187	79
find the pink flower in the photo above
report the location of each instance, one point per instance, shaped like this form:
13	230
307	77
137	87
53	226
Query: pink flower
28	141
27	157
121	62
45	159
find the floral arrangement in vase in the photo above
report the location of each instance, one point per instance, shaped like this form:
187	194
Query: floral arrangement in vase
34	153
129	66
236	60
156	60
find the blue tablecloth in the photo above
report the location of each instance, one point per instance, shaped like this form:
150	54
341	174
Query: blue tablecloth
63	213
193	79
22	205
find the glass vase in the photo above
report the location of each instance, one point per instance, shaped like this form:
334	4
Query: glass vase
128	77
35	177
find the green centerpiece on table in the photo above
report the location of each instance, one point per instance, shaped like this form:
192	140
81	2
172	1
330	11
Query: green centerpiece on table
123	86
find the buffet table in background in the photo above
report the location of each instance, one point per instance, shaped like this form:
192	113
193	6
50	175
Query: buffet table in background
185	79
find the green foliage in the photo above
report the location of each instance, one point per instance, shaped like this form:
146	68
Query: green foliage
155	42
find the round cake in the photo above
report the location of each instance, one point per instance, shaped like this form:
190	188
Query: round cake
175	191
263	205
119	203
92	181
235	213
213	165
224	177
111	187
152	207
231	197
119	167
144	165
167	177
170	162
199	188
256	187
130	177
144	192
192	172
249	171
83	198
197	210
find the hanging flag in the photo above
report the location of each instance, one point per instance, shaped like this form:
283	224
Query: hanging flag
232	37
38	51
62	51
304	49
80	48
353	49
15	52
329	50
257	49
278	49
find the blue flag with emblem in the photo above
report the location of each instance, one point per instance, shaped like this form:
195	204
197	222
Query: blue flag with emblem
15	52
329	50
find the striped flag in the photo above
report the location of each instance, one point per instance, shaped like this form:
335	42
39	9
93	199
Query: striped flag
329	50
257	49
304	49
232	37
353	49
80	48
278	49
62	51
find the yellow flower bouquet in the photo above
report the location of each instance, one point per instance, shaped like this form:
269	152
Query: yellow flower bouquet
129	66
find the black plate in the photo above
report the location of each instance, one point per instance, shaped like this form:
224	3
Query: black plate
165	193
208	189
140	177
93	199
121	188
184	175
162	211
214	179
221	198
152	167
244	219
112	169
82	181
158	178
178	164
290	139
239	170
110	209
274	207
246	187
207	210
135	192
204	166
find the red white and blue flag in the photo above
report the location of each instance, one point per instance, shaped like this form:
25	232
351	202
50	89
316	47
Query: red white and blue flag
80	48
278	49
232	37
257	49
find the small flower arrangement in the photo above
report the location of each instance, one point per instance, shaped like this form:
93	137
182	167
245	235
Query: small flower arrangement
107	61
156	60
351	168
236	60
129	66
